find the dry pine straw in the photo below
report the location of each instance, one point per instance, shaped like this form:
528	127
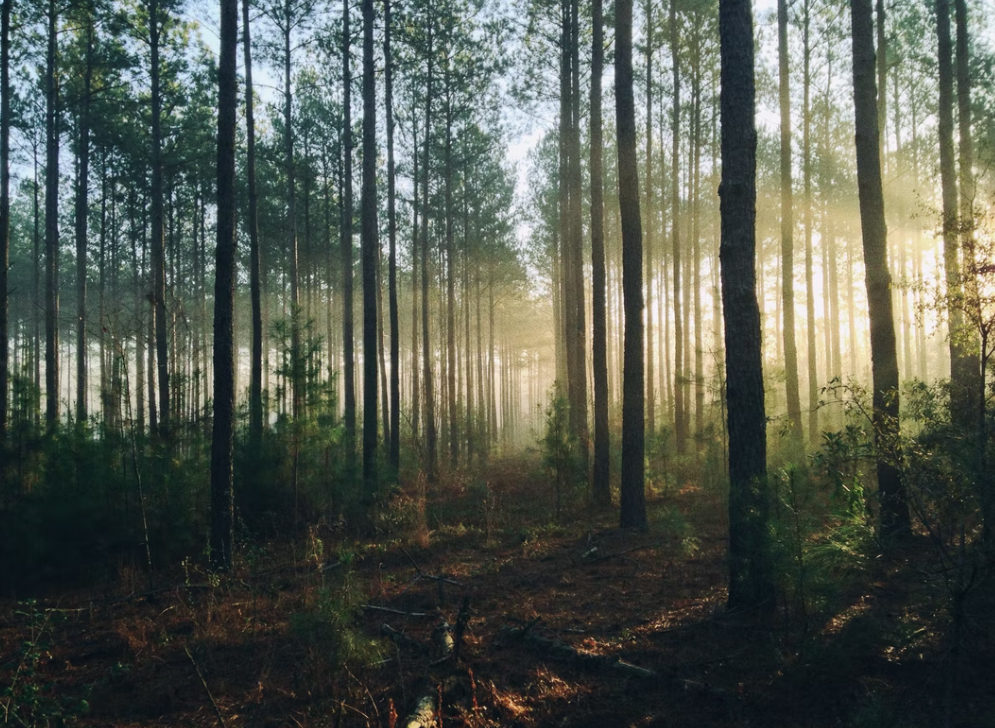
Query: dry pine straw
231	652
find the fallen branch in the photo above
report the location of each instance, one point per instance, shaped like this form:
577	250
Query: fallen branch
562	650
399	638
388	610
217	710
422	575
589	556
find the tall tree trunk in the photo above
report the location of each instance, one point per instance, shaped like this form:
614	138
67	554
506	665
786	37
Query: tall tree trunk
5	11
578	319
430	430
960	372
348	329
296	365
416	394
158	232
751	579
482	429
633	494
394	456
813	385
650	224
256	365
36	293
222	439
450	262
965	152
699	378
564	306
680	433
600	480
370	246
882	71
884	361
966	144
82	206
51	225
977	364
787	233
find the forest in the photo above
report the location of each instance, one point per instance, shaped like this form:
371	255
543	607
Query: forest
497	363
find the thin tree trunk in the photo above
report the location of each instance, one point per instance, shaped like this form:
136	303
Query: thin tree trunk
82	206
5	117
699	379
222	440
450	305
965	153
370	246
158	240
256	366
813	382
348	329
600	481
578	319
787	233
650	223
680	434
961	391
416	393
394	457
51	226
430	431
296	364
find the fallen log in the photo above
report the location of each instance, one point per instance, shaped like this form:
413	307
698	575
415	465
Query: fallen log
423	715
442	636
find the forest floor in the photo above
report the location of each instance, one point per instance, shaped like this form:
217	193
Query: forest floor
294	635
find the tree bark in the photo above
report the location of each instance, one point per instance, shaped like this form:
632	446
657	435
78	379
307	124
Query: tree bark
82	207
51	225
394	456
633	495
965	152
348	329
787	233
296	365
450	264
680	433
158	240
600	481
751	581
960	367
370	246
222	439
813	385
430	430
256	365
894	517
650	224
5	12
416	394
578	330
